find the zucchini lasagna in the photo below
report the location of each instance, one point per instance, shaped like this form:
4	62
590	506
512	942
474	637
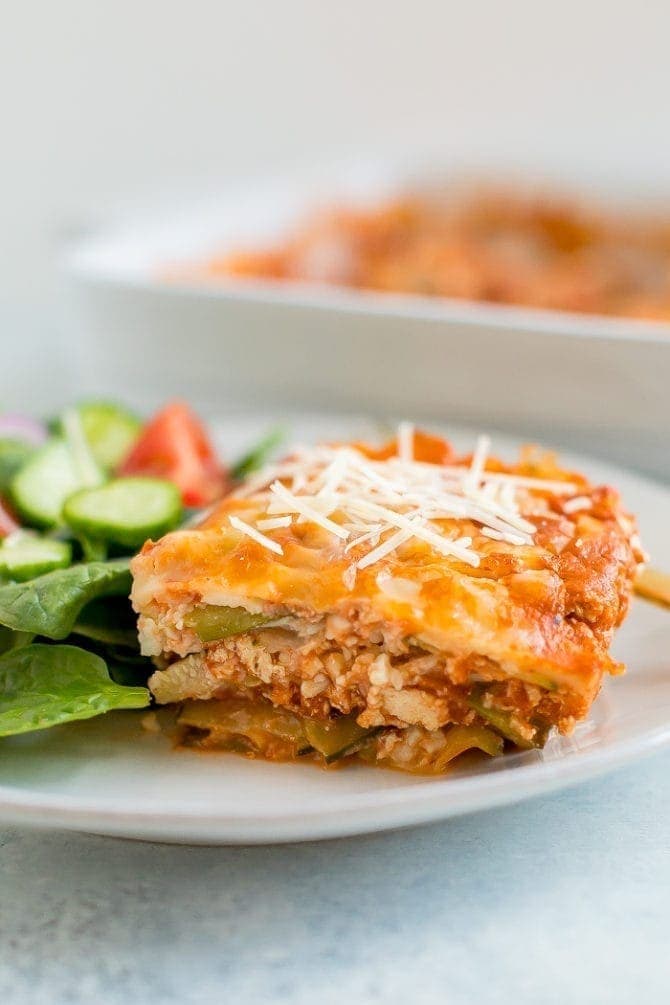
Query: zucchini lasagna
399	603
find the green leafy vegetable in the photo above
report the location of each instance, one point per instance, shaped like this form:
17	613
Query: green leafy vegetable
51	604
44	685
110	621
92	550
131	671
13	640
258	455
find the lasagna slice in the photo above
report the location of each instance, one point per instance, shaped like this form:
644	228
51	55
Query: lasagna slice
400	603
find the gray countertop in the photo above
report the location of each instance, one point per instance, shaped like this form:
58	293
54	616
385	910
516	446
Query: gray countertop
561	899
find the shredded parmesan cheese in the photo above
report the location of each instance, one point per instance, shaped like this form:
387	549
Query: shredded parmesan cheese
255	535
378	506
274	523
384	549
479	456
406	441
496	535
298	504
577	504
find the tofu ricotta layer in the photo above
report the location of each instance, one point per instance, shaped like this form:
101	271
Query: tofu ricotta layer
399	603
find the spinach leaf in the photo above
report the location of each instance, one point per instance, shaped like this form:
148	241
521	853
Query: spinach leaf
258	455
92	550
50	604
129	672
44	685
109	620
13	640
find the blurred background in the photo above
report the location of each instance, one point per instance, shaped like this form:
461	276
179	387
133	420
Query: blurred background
106	106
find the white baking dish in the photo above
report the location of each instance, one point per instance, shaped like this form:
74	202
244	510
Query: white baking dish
593	383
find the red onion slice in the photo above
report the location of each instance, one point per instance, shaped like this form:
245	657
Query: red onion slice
22	427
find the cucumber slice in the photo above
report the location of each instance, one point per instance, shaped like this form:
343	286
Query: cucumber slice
110	430
13	455
126	511
24	556
42	485
89	471
211	622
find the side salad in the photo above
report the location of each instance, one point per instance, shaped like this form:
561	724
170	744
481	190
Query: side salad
78	496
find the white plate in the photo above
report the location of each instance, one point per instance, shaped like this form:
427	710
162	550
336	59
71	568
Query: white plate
596	383
109	776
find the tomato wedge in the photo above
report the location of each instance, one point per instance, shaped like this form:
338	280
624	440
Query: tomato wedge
8	522
175	445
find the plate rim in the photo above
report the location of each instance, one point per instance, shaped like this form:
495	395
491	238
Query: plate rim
361	813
